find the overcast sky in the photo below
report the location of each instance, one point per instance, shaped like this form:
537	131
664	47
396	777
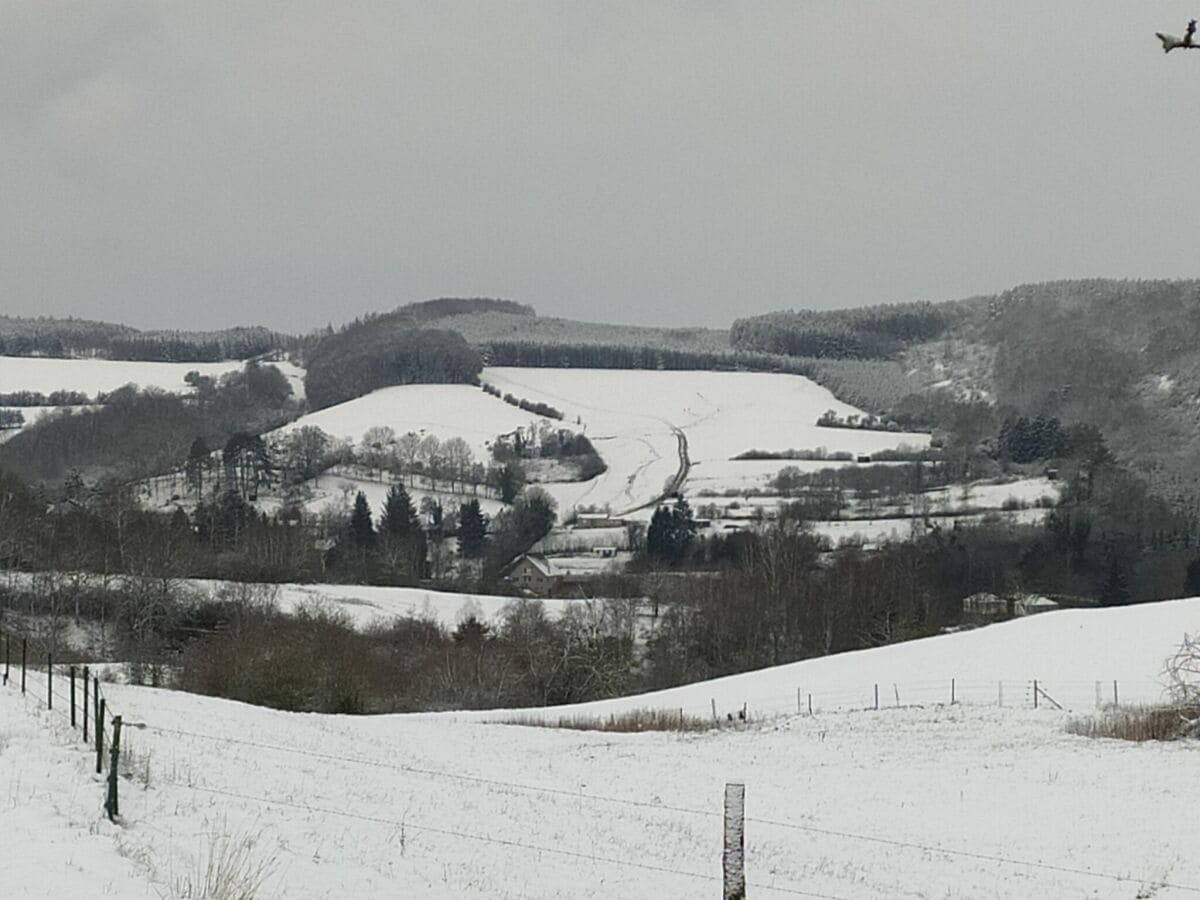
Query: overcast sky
206	163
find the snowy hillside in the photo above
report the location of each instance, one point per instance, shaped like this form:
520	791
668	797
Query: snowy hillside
651	428
443	410
924	801
91	376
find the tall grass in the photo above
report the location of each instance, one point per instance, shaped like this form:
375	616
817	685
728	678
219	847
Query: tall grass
232	869
1141	723
627	722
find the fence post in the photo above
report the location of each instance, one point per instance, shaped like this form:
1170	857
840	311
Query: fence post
733	861
1035	693
714	708
72	696
1099	702
1000	692
952	691
111	803
49	680
876	696
1116	699
24	648
100	738
810	704
7	648
799	707
86	675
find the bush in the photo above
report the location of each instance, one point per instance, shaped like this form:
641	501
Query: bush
1141	723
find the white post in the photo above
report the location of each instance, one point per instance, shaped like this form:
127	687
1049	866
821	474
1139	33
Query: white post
733	862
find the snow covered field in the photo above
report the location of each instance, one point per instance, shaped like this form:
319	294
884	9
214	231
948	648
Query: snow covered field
927	801
634	419
442	410
21	373
364	604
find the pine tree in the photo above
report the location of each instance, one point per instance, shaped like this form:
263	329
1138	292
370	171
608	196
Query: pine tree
362	533
472	529
399	519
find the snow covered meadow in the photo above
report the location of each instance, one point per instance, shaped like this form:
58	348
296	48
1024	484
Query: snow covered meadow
650	427
923	800
92	376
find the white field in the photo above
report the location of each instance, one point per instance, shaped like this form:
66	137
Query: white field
93	376
364	604
632	417
442	410
932	801
20	373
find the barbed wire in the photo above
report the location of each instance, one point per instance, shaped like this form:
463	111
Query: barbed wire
912	845
505	842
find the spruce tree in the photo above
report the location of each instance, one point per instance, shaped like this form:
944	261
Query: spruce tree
362	533
472	529
399	519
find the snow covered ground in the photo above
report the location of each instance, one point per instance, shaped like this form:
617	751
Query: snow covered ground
363	604
930	801
639	422
442	410
22	373
634	417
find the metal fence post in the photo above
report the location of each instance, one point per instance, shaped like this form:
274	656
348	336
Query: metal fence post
113	765
733	860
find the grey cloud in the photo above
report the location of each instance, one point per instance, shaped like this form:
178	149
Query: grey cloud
200	164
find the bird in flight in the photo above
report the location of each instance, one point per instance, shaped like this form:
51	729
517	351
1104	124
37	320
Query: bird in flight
1170	42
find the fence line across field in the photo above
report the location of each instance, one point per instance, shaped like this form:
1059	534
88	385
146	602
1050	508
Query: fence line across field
50	684
73	704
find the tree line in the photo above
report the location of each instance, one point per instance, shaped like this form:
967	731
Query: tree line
139	433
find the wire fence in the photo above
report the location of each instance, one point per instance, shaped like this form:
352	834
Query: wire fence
72	691
76	693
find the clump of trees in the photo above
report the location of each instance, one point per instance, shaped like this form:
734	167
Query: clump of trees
871	332
64	338
377	353
37	398
138	433
544	442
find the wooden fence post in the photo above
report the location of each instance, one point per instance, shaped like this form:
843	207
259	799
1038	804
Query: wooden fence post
810	704
1116	699
86	675
24	648
733	860
877	696
113	765
952	687
49	681
72	696
100	738
7	648
1000	692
